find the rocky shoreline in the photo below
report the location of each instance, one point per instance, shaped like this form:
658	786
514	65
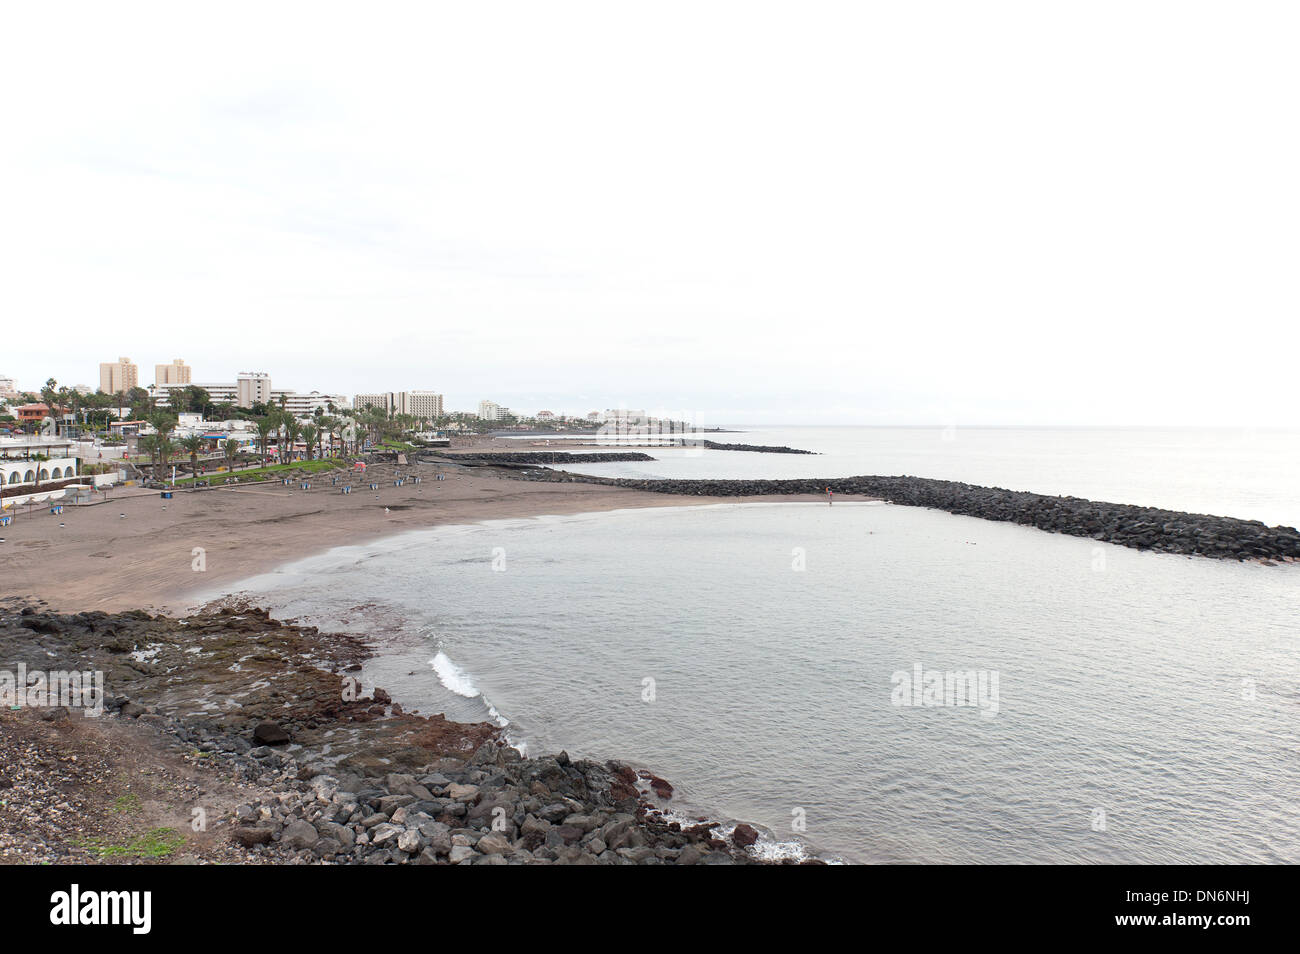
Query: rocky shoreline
329	776
1141	528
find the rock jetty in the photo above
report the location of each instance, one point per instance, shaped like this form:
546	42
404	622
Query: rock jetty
754	448
1142	528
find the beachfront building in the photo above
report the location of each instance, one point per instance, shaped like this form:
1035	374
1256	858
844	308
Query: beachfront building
174	375
420	404
19	463
118	376
8	388
21	472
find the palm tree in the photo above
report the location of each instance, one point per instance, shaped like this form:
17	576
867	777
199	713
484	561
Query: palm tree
336	436
309	435
194	444
231	448
149	444
289	432
165	450
264	428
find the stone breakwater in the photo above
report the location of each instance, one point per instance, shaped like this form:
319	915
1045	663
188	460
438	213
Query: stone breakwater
332	776
1142	528
754	448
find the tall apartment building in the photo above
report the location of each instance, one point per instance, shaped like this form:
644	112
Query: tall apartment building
252	387
422	403
492	411
119	375
415	403
176	374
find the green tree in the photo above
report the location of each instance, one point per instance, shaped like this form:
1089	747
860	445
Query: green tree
309	434
148	444
290	430
194	445
265	426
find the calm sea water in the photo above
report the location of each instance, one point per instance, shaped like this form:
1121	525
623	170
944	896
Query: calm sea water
1145	707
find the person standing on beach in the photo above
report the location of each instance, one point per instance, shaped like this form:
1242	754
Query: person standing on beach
830	497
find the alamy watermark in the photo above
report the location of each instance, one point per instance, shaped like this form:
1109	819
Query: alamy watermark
41	689
928	688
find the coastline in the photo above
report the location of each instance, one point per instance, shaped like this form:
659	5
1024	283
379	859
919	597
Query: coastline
234	723
203	723
138	551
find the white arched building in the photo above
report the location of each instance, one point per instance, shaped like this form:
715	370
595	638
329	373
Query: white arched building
17	472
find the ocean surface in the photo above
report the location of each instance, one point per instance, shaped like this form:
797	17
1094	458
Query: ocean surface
805	668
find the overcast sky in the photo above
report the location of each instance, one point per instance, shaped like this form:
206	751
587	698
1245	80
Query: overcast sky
740	213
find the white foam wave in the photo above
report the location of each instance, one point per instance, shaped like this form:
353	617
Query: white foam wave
457	680
453	677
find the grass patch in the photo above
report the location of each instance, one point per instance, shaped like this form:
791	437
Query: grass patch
155	843
128	803
262	473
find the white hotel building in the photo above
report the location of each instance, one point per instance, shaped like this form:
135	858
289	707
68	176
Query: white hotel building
17	466
254	387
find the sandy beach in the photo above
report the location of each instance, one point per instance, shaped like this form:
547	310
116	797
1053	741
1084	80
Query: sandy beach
136	550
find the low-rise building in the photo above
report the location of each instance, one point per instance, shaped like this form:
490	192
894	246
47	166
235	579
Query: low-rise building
35	413
29	459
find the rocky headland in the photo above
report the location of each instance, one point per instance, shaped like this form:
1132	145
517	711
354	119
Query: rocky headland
253	722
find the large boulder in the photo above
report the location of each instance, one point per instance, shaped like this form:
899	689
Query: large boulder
270	733
299	834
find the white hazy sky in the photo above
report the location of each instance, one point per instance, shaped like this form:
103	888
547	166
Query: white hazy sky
886	213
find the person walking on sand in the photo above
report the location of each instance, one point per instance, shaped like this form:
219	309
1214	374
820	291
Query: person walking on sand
830	497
